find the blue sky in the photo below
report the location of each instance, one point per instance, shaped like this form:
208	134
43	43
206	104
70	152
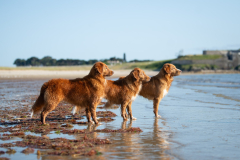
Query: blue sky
78	29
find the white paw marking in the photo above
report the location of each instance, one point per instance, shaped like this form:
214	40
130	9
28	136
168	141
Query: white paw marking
32	114
134	118
91	122
74	110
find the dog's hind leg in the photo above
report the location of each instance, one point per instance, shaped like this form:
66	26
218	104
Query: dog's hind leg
156	102
47	109
38	105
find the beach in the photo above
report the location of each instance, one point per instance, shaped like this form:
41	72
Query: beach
200	116
48	74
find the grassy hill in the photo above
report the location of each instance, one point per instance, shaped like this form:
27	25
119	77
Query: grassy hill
190	67
153	65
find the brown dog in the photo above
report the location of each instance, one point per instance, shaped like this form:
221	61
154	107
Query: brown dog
123	91
86	92
159	85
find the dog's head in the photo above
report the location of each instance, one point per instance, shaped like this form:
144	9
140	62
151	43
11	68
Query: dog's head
171	70
140	75
100	68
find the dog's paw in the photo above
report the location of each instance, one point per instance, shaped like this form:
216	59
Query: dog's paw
134	118
90	122
158	116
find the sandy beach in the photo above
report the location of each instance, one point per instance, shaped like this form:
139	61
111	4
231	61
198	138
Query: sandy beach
200	119
45	74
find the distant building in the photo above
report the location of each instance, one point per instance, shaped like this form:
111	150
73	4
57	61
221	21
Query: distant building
114	60
230	59
215	52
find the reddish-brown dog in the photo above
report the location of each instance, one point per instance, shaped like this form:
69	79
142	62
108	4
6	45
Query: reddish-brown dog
86	92
159	85
123	91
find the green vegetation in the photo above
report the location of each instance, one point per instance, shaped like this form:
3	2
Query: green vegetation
190	67
50	68
49	61
152	65
149	65
199	57
98	153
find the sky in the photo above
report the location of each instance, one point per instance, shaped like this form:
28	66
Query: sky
78	29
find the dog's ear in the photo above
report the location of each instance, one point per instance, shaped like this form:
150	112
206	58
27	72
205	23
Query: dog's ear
167	69
135	74
99	69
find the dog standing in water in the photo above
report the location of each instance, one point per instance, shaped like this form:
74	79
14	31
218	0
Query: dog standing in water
86	92
159	85
123	91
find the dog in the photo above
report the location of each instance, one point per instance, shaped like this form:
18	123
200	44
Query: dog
86	92
124	91
159	85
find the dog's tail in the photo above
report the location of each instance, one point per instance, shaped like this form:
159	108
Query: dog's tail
74	110
39	103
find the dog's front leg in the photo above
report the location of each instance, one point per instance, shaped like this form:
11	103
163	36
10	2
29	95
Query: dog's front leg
123	110
88	115
129	109
156	102
93	113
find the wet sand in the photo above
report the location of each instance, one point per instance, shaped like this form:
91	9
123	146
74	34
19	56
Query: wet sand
151	143
200	119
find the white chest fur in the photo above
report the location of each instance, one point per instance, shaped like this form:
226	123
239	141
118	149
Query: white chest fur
165	92
139	89
105	82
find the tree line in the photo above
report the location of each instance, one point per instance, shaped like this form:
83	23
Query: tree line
49	61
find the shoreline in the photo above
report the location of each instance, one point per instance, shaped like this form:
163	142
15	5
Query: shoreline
46	74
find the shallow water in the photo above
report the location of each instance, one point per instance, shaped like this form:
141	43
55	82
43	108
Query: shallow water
151	143
203	112
200	119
